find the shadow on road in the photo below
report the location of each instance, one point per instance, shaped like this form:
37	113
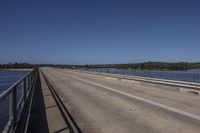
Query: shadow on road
38	121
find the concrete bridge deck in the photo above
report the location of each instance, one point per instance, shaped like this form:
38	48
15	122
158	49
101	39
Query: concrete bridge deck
81	102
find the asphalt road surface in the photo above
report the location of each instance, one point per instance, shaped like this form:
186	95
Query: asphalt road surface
108	105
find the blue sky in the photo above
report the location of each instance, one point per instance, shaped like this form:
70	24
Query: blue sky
99	31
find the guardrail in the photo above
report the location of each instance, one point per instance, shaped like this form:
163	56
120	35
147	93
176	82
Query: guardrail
190	76
183	84
27	82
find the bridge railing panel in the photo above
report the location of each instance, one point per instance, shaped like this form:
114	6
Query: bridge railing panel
16	101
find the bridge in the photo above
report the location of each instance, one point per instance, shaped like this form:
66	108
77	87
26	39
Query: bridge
63	100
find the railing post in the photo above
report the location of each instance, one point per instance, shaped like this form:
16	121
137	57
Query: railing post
24	91
30	77
26	84
12	108
28	81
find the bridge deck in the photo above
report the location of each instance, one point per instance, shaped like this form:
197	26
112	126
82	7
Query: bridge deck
103	104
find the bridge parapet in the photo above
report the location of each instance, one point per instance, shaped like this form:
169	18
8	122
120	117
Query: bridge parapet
27	83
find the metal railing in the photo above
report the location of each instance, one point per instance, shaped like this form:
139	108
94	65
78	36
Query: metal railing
191	86
15	105
170	75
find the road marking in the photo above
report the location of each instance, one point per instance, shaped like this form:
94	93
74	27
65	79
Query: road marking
137	97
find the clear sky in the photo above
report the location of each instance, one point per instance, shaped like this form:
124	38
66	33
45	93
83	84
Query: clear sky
99	31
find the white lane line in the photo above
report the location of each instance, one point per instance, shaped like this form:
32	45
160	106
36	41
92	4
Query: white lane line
138	98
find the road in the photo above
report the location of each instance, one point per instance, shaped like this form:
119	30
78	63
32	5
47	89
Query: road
107	105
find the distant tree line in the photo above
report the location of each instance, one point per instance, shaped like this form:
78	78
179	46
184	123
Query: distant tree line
160	66
17	66
139	66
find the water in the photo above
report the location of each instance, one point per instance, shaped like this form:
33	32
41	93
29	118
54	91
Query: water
7	78
190	75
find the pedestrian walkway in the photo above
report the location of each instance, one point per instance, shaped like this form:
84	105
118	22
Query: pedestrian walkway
53	121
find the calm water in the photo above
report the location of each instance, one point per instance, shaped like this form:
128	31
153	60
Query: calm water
7	78
191	75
